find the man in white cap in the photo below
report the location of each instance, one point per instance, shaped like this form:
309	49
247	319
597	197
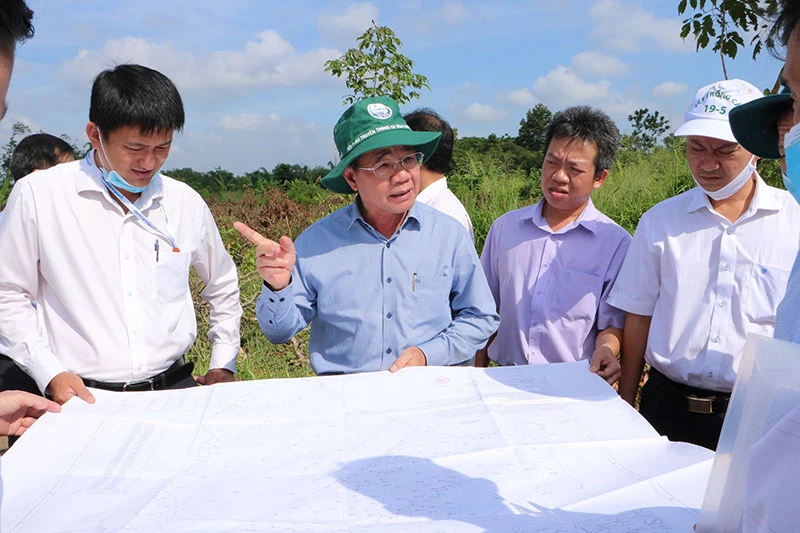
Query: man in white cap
705	269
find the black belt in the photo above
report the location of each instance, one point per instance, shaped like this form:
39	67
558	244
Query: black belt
177	372
700	401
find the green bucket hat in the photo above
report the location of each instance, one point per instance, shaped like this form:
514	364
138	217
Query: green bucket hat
755	124
370	124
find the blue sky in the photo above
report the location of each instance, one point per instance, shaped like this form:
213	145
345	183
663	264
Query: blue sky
251	72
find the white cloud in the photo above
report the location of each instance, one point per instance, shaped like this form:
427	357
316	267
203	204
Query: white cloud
596	64
453	12
669	89
469	87
562	87
342	27
484	113
631	28
269	61
521	98
256	140
247	121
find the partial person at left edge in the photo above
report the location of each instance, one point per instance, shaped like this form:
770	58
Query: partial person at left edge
18	409
104	246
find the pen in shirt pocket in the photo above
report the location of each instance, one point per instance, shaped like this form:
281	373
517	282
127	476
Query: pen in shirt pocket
414	283
155	246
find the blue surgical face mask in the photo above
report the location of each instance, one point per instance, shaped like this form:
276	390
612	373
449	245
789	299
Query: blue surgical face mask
791	147
113	177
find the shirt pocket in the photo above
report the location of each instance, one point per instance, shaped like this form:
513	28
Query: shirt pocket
172	277
429	300
576	295
767	288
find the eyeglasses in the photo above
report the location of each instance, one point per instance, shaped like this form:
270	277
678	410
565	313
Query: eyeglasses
386	170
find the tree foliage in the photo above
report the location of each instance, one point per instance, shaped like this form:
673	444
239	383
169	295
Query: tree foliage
501	150
533	128
377	68
648	128
722	23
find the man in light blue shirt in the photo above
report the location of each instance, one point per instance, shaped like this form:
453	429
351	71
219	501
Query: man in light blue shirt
384	282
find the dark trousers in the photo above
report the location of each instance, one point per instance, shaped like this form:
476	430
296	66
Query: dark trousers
665	405
13	377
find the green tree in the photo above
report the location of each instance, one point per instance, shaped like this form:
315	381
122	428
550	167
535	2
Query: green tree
18	132
721	23
533	128
377	68
648	128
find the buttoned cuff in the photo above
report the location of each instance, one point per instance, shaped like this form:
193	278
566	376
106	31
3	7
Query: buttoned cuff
274	312
435	351
44	366
224	356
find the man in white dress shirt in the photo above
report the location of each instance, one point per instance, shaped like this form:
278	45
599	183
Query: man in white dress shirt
432	181
705	268
103	246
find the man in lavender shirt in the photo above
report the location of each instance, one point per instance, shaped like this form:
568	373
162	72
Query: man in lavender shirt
551	265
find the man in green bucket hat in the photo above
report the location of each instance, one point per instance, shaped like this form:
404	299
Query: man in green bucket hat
384	282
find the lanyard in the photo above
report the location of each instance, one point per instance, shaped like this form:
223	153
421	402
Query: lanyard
133	209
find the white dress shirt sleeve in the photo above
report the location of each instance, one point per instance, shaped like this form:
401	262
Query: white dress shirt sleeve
217	270
637	286
20	337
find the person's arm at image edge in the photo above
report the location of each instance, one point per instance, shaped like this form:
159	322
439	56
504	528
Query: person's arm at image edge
634	344
604	361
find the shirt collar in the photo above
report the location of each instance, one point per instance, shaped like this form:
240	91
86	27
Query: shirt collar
90	180
412	220
765	198
588	219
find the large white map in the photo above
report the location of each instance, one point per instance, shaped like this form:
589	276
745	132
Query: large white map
546	448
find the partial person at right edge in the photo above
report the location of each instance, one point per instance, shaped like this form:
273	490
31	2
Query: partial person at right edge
705	269
768	126
551	265
432	180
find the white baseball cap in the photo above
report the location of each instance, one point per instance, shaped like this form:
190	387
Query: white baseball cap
708	114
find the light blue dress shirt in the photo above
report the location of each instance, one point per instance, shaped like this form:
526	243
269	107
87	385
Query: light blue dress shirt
368	298
787	317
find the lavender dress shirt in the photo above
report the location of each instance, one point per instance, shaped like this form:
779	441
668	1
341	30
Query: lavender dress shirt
551	287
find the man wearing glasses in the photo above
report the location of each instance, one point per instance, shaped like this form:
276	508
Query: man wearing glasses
385	282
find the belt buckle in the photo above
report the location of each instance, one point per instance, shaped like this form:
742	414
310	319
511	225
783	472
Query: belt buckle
703	406
127	384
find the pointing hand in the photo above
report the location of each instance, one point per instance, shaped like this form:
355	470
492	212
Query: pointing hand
274	260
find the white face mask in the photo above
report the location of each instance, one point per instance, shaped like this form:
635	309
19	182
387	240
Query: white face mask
735	185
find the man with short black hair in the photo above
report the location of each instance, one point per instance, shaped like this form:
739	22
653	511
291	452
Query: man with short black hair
551	265
104	245
38	152
432	181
